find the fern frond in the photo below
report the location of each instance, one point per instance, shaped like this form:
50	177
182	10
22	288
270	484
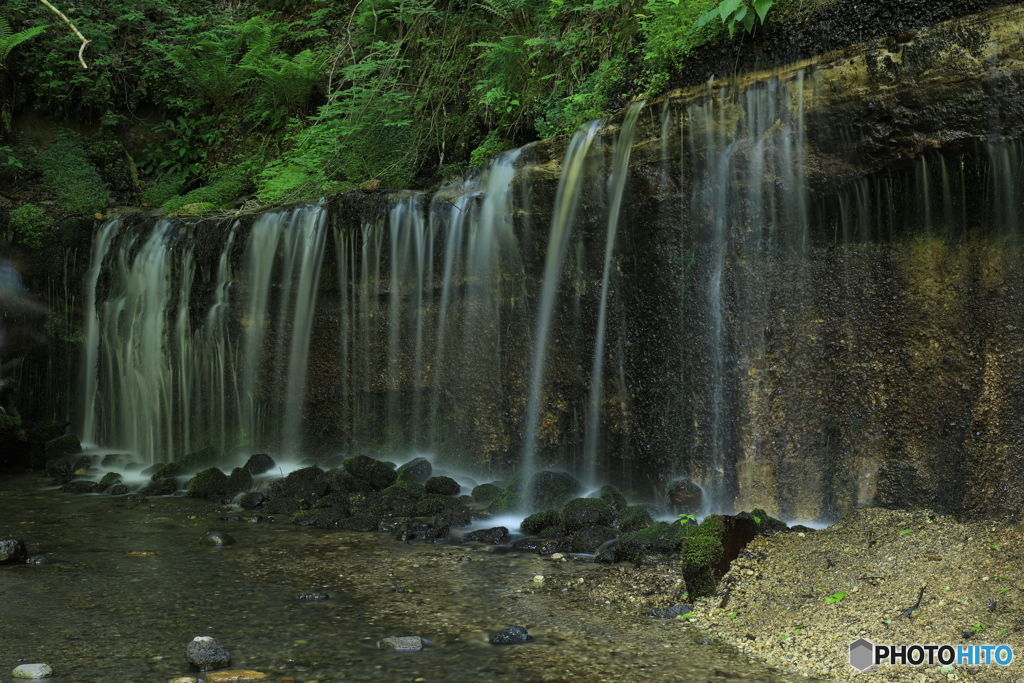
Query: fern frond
9	41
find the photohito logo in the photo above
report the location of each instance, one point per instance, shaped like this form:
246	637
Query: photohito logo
864	654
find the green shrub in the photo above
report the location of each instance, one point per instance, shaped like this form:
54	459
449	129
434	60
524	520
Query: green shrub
492	144
31	226
219	194
68	173
164	188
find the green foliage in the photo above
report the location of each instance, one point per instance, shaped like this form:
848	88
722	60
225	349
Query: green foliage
31	226
184	151
733	12
492	144
68	173
700	555
163	188
219	194
9	40
835	597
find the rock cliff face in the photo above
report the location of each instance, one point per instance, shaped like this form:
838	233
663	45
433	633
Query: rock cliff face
813	302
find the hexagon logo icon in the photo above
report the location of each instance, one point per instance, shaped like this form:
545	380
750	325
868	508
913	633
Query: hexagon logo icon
862	654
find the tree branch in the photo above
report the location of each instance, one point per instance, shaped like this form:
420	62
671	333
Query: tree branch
78	33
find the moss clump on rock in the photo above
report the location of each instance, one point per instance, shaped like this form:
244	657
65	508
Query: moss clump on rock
658	539
193	462
634	518
444	486
63	445
766	524
614	497
485	493
434	504
417	470
590	539
580	513
551	489
700	556
68	173
507	501
209	482
539	521
377	474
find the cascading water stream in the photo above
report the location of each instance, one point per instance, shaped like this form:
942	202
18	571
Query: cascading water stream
564	215
620	170
90	348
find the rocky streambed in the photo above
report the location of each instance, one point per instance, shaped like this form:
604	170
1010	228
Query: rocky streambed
117	586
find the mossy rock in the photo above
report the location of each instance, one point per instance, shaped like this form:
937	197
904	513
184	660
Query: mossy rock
63	445
486	493
590	539
258	463
110	479
196	208
342	480
766	524
209	482
580	513
557	531
377	474
239	480
321	518
434	504
193	462
307	483
662	538
614	497
444	486
161	487
634	518
417	470
360	521
411	489
539	521
507	501
701	555
550	489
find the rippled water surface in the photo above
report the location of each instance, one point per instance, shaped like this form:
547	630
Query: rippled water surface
97	614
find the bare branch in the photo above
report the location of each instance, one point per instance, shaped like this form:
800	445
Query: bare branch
78	33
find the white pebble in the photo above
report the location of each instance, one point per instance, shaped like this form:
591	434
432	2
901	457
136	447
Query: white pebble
32	671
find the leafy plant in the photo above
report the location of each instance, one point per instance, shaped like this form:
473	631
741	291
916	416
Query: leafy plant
737	12
9	40
31	225
835	597
183	152
68	173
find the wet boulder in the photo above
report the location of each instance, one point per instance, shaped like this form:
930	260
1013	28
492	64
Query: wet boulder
633	518
67	465
205	654
308	483
485	493
658	539
342	480
580	513
551	489
109	479
442	486
80	486
67	444
539	521
494	536
251	500
239	480
12	552
120	490
417	470
321	518
161	487
614	497
283	505
684	496
258	463
193	462
377	474
209	482
590	539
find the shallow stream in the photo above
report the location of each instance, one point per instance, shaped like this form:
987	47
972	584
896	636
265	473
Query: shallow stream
95	613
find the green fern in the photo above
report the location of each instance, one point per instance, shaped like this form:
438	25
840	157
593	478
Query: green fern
9	41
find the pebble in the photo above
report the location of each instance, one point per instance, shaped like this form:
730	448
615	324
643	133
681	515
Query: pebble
539	578
32	671
184	679
402	643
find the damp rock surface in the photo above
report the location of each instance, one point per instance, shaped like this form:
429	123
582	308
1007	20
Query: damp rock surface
402	643
12	551
205	654
513	635
32	671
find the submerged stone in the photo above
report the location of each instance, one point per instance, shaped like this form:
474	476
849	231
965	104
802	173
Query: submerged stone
402	643
217	539
234	676
12	551
493	536
80	487
205	654
32	671
514	635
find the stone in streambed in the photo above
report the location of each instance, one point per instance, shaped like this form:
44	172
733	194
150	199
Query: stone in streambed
442	486
402	643
258	463
514	635
32	671
12	551
417	470
205	654
217	539
234	676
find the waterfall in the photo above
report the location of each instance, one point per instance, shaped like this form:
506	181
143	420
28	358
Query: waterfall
620	169
90	346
